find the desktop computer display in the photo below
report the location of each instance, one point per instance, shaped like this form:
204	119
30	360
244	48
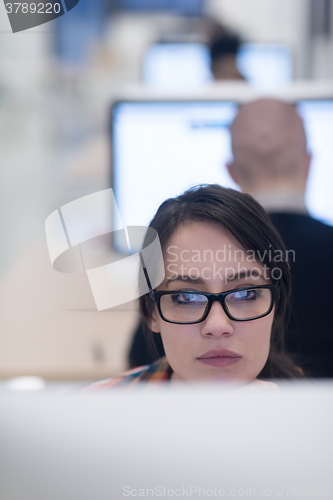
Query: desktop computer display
171	66
162	148
176	65
265	65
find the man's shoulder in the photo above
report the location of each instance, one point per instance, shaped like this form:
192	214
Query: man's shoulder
302	225
157	372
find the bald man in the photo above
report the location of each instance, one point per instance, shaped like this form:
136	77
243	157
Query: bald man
270	154
271	162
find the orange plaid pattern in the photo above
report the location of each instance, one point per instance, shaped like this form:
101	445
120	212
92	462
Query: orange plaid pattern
157	373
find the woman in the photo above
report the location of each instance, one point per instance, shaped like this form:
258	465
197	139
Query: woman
221	307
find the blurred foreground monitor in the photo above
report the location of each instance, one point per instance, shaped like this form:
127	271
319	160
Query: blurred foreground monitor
160	148
183	65
181	442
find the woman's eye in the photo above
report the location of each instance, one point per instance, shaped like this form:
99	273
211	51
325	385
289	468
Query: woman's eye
245	295
180	298
188	299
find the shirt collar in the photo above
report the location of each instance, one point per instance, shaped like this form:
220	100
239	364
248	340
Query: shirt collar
282	201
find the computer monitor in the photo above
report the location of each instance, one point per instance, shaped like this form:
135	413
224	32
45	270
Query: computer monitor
161	148
185	65
265	65
187	443
318	121
169	66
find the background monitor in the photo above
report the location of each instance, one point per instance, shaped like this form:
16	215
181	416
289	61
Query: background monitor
184	65
318	121
265	65
162	148
176	65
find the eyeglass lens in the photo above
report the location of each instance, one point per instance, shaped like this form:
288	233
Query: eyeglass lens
186	307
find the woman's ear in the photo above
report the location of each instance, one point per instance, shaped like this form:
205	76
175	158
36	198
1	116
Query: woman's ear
153	323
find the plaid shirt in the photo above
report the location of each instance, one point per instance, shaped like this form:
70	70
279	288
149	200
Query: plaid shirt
158	372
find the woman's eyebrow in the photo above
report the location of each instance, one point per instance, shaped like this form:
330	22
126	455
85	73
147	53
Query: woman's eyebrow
186	279
249	273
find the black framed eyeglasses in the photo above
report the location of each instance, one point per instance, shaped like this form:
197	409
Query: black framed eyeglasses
187	307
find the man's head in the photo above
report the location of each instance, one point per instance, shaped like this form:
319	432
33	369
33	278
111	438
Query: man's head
223	53
269	147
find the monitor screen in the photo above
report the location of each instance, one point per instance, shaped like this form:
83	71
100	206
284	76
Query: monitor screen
168	441
318	122
176	65
183	65
162	148
265	65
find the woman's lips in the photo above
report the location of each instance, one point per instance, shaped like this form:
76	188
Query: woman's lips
219	357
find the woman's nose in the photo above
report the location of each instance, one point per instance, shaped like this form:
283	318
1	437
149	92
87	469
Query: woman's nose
217	322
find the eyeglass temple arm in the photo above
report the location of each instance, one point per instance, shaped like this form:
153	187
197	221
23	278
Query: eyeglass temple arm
151	291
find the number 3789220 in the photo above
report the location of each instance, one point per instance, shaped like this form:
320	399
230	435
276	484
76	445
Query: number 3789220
33	8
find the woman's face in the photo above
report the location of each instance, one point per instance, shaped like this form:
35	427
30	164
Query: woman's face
203	256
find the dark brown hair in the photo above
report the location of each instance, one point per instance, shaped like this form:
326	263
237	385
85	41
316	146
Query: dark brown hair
248	222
